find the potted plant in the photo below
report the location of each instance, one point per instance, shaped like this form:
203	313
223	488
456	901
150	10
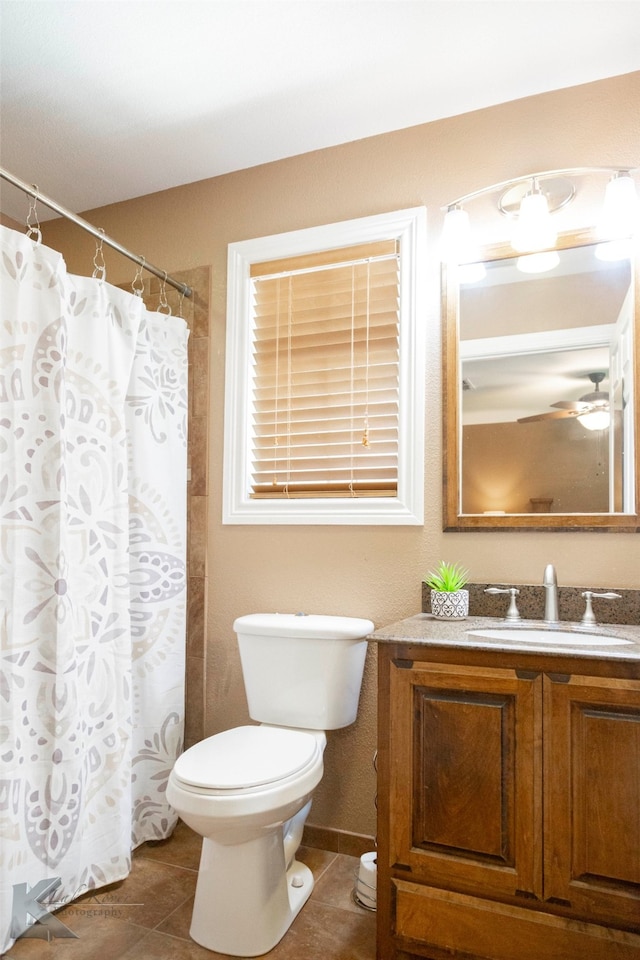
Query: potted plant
449	601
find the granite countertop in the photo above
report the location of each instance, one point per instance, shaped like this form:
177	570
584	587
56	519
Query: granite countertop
423	628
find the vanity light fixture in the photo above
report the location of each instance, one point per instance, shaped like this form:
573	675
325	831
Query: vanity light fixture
530	202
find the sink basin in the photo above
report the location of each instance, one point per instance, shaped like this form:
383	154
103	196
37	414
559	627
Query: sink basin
552	636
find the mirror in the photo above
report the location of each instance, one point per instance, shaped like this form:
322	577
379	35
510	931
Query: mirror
527	356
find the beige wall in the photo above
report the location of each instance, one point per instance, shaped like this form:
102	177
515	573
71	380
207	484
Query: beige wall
508	464
369	571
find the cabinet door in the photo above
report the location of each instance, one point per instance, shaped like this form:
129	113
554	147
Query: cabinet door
465	765
592	796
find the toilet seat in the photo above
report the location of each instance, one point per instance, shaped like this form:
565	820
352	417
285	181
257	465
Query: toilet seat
246	757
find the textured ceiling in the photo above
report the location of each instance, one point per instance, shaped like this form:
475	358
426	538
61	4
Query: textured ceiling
103	101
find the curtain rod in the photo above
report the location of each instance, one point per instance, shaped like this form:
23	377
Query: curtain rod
33	191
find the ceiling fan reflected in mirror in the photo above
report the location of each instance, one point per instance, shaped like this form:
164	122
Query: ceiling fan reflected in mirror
592	410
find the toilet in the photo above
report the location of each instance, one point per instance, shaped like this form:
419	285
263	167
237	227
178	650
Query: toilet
248	790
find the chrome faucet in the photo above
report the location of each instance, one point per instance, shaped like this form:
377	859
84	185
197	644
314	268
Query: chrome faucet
550	584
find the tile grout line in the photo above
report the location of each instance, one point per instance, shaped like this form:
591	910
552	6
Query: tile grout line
168	863
317	877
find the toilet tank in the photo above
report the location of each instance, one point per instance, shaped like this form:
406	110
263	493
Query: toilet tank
302	670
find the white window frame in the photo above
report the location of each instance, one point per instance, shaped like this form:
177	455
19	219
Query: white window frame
407	508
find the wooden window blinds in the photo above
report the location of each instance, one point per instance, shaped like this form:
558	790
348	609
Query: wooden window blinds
325	373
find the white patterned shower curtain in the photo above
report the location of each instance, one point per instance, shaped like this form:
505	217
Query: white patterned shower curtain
93	415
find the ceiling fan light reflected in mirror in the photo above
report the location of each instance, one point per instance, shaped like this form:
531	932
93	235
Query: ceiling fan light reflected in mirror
598	420
591	410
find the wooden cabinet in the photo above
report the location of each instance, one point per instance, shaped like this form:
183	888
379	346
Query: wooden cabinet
509	808
592	797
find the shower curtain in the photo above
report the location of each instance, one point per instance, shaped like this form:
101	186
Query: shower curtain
93	421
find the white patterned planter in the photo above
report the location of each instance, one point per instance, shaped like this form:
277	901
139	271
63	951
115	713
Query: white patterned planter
450	606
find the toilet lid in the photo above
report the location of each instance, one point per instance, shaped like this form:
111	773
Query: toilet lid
246	757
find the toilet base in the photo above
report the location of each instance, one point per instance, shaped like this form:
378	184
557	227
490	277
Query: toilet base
247	897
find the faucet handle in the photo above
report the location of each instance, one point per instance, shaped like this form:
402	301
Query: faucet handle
588	615
512	613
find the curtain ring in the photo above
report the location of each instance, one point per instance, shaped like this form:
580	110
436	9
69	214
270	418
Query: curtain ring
138	290
163	306
31	229
99	266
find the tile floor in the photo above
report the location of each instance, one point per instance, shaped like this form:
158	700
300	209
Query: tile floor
147	916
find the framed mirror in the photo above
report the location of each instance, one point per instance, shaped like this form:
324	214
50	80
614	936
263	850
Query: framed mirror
541	389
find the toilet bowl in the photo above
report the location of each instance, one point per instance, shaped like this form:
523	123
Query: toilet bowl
247	791
250	887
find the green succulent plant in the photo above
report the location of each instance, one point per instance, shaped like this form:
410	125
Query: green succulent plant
447	578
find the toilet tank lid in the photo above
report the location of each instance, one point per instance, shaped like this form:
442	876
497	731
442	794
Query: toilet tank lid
304	625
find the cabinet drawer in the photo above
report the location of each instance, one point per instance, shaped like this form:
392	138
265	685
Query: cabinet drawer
424	917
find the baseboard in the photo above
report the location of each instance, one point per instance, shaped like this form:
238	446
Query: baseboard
338	841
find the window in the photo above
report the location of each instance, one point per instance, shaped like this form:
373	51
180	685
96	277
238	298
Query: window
325	374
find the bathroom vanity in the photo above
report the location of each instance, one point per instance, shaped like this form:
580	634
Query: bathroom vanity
508	793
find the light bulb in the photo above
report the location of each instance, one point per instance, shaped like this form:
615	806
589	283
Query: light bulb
471	272
598	420
538	262
533	229
456	243
613	250
621	208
